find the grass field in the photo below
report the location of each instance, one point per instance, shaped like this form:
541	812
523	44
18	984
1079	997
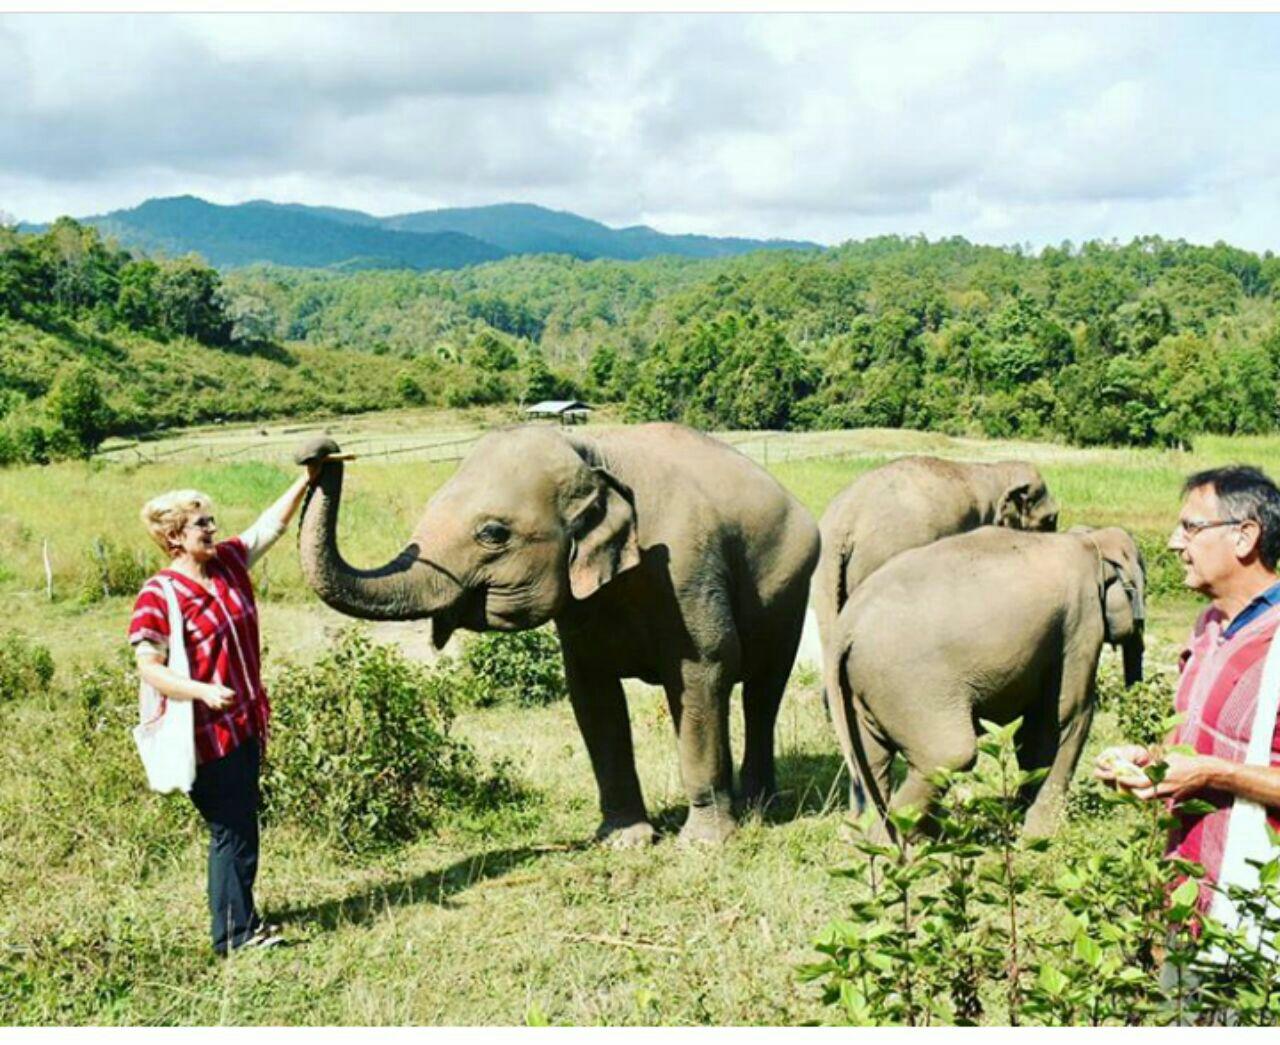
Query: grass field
103	919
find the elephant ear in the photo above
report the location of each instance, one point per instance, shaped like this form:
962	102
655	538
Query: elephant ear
1122	603
603	527
1012	509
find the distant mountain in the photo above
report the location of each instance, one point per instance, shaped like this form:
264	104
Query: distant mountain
306	237
524	228
332	237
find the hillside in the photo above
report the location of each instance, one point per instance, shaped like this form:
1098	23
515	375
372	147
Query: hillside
330	237
522	228
150	384
1152	342
227	237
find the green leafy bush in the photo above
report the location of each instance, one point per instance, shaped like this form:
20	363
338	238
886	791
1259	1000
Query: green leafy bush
25	666
972	923
362	749
1142	710
524	668
105	694
110	569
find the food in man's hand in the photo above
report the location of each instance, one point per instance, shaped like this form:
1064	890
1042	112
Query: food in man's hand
1119	766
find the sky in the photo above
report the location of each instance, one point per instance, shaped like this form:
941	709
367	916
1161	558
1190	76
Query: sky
1002	128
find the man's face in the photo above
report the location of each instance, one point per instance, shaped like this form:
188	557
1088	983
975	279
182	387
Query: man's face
1209	554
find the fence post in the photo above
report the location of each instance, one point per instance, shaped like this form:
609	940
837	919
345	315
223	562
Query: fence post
101	552
48	571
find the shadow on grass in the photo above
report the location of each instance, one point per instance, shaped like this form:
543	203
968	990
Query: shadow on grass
809	784
431	887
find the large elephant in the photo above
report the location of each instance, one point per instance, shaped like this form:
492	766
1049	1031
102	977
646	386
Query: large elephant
992	624
659	553
911	502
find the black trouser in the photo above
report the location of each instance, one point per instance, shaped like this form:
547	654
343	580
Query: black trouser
226	793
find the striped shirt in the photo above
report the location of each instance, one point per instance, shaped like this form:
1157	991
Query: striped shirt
1217	696
221	637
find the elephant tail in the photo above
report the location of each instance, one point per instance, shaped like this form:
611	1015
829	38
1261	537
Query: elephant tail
850	730
855	737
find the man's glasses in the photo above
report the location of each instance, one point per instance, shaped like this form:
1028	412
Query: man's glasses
208	522
1189	528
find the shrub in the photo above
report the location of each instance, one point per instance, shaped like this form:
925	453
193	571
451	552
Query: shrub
110	570
954	927
362	750
524	668
1142	711
25	666
105	694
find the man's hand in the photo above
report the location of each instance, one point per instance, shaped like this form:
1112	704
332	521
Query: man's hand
1187	775
216	696
1122	765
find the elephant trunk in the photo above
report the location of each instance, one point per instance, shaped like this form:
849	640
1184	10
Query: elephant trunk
406	588
1131	650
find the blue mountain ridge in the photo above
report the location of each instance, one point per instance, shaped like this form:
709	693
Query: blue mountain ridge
293	234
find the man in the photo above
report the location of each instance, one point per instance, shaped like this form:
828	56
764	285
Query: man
1228	538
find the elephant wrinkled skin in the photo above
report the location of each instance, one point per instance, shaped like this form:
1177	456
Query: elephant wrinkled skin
991	624
659	553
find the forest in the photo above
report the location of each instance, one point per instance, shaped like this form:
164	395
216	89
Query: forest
1146	343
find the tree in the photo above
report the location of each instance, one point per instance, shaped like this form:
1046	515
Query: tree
77	406
189	303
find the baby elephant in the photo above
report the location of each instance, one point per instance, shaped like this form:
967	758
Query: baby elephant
992	624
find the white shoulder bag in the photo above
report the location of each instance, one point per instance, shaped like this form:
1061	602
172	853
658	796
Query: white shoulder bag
165	734
1248	843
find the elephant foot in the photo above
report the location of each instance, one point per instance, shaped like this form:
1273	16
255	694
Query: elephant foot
1040	823
625	834
708	825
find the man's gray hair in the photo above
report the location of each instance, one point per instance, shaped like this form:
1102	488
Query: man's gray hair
1247	495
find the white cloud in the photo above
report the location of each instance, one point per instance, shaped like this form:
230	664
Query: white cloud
997	127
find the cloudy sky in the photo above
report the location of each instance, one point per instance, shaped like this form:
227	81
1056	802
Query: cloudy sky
1001	128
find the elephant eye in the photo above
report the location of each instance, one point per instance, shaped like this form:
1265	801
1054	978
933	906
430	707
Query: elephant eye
493	534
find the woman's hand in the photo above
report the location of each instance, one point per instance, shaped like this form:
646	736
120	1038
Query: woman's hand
216	696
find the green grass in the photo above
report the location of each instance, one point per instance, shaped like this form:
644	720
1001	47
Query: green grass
103	919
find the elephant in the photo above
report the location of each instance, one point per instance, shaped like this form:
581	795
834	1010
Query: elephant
993	624
914	501
658	552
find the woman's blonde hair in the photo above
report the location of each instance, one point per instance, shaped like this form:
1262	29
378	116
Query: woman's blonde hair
166	515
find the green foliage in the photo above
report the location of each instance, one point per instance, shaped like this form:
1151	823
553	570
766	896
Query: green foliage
362	751
1142	710
110	569
26	667
520	668
1151	343
942	929
76	404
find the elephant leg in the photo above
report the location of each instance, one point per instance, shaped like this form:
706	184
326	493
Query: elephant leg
1075	716
761	697
869	777
600	706
706	766
952	746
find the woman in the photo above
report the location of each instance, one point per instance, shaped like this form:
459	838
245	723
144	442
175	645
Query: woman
215	597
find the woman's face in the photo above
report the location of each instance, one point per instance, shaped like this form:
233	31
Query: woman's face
196	539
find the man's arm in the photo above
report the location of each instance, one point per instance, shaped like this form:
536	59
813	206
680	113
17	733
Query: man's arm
1189	774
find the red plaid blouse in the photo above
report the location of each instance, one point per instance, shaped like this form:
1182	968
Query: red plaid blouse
222	645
